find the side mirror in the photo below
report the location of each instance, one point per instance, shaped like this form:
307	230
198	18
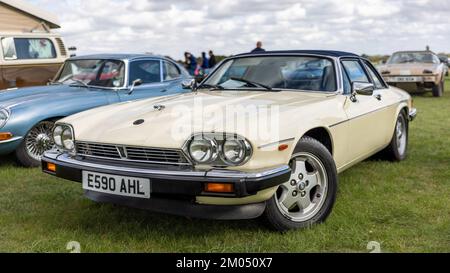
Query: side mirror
362	88
189	84
135	83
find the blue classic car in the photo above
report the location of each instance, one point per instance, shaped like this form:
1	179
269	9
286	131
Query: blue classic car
27	115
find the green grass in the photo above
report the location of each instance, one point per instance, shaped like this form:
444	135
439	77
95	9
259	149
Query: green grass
404	206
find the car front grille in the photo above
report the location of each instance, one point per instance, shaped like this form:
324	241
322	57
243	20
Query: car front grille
132	154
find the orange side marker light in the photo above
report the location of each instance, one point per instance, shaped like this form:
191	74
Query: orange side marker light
283	147
5	136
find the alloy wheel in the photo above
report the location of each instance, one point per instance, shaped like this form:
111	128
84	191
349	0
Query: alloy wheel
304	194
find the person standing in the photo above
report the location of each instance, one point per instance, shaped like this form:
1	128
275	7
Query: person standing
258	48
205	61
212	59
190	63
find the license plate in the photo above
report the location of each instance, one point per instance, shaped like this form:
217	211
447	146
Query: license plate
408	79
116	184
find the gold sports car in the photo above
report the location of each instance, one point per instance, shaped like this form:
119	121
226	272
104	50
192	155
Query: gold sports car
415	71
265	134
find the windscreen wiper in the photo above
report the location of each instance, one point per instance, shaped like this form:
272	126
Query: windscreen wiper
210	86
255	84
81	83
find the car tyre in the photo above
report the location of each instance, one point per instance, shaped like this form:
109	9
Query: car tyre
398	147
310	159
438	89
35	143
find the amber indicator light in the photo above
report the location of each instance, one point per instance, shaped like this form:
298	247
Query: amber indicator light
219	187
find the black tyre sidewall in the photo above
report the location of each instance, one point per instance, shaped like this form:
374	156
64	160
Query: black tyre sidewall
273	215
22	156
392	149
438	89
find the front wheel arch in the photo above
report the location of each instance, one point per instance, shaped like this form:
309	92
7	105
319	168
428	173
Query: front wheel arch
322	135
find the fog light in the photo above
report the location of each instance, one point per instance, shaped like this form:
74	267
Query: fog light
219	187
5	136
51	167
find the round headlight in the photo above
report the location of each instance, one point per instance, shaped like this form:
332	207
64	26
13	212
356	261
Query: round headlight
203	150
234	151
67	139
57	132
4	115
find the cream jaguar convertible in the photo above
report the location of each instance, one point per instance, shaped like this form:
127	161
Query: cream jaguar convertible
265	134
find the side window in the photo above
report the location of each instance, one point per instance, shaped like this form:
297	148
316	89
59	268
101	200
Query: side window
9	50
355	71
149	71
170	71
374	75
28	48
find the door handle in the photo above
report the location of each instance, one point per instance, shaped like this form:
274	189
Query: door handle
164	90
378	97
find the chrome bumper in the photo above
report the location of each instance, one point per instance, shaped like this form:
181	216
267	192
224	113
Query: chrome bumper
10	145
11	140
412	114
172	179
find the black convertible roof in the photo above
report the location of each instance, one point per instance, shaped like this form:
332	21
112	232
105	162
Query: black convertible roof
330	53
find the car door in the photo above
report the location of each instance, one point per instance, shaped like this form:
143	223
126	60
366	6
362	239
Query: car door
367	122
388	101
172	76
150	72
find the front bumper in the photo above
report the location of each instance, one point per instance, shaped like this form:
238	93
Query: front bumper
174	189
414	87
412	114
10	145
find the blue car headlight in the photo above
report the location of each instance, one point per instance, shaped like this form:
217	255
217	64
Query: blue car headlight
4	116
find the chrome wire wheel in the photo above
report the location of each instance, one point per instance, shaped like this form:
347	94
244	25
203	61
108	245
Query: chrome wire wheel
301	198
39	139
401	134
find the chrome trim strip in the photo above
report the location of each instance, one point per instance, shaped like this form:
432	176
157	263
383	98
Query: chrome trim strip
333	59
275	143
11	140
136	161
238	174
64	158
359	116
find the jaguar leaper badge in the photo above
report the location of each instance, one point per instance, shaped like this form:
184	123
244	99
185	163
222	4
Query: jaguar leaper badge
159	107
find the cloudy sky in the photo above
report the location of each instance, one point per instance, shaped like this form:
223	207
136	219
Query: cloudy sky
171	27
